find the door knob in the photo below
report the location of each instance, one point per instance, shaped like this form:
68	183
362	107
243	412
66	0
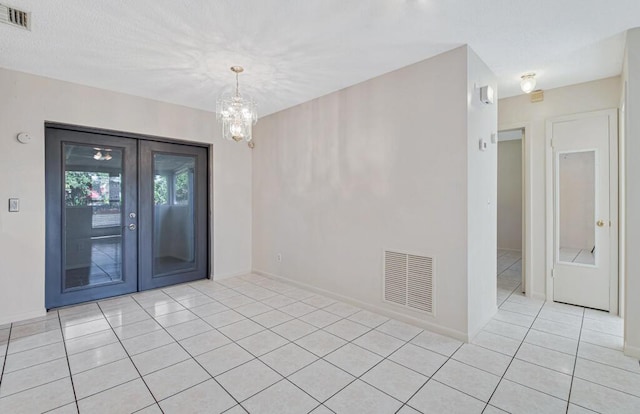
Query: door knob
600	223
132	227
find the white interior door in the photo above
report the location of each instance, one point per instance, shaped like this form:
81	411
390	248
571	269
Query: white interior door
582	252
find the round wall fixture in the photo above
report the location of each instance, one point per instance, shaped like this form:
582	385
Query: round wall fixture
24	137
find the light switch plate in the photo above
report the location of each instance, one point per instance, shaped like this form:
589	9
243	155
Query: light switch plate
14	205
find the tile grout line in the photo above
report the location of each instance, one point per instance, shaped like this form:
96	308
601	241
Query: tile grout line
336	392
35	347
298	318
512	358
608	365
575	356
511	293
384	358
586	409
369	329
515	311
250	298
406	403
293	317
6	354
531	343
265	329
575	363
35	365
36	386
64	344
522	360
536	345
284	378
347	342
192	357
131	360
321	403
155	404
607	387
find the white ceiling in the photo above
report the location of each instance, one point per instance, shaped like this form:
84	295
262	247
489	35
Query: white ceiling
297	50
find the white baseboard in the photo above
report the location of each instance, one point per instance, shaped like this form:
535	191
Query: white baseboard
539	296
18	317
632	351
433	327
222	276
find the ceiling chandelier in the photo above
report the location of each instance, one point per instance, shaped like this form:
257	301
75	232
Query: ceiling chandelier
237	114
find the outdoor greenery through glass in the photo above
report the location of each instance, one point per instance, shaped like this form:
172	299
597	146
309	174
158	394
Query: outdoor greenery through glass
161	191
86	188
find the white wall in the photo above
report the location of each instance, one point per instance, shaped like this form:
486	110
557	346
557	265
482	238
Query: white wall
379	165
518	110
510	194
28	101
482	188
631	76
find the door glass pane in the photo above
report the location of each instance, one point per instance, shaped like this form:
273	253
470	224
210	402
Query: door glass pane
93	215
577	201
174	214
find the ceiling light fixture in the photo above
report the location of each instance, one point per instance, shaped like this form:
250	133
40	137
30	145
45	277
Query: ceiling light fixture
99	156
237	114
528	82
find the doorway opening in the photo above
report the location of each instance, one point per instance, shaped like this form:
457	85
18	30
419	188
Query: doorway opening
510	213
125	213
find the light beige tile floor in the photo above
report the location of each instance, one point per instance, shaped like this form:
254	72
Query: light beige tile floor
254	344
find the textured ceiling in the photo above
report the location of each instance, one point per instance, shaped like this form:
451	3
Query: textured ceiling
296	50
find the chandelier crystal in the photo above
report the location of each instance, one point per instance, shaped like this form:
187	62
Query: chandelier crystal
236	113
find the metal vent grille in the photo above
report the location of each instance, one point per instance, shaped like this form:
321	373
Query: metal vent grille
408	280
15	17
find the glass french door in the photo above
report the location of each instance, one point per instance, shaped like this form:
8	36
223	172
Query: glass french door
173	215
123	215
92	203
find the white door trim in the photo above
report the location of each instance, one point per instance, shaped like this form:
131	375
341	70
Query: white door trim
613	201
527	245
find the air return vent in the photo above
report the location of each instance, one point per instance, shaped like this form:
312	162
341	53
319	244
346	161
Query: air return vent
408	280
15	17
